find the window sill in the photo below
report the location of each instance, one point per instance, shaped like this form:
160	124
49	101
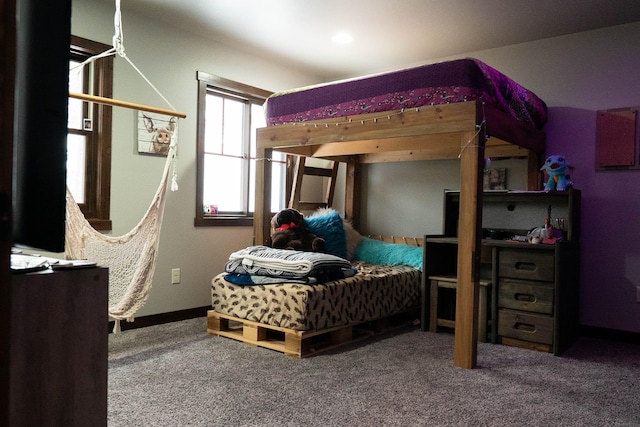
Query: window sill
101	224
223	221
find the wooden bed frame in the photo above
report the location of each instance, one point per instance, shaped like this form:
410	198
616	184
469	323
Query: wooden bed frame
307	343
303	344
470	131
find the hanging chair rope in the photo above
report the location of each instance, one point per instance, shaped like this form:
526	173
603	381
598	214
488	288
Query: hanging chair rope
118	49
131	258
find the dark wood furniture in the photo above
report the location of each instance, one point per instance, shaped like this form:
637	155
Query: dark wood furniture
59	348
535	287
442	310
7	93
537	295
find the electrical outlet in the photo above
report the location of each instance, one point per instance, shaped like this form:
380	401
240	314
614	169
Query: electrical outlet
175	276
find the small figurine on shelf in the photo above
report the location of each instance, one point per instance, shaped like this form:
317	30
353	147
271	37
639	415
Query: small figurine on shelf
549	234
557	167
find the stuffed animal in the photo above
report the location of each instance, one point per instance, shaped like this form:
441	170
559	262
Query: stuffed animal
289	232
556	167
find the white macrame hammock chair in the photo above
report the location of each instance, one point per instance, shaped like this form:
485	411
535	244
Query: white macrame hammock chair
131	258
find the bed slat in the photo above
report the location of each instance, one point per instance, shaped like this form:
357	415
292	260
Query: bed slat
302	343
410	241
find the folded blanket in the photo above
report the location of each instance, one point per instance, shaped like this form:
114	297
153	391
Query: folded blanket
265	261
324	276
252	279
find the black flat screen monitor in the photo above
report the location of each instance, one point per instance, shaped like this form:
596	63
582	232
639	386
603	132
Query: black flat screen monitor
40	123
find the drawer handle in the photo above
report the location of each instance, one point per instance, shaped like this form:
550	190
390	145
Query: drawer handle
525	297
528	266
524	327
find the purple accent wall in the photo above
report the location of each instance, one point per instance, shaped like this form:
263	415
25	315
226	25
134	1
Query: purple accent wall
610	259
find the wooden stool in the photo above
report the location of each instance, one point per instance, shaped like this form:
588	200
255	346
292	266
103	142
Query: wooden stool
450	282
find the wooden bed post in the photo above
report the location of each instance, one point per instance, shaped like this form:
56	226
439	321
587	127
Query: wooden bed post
352	192
296	186
466	333
534	176
261	216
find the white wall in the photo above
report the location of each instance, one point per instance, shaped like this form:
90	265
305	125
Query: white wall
170	59
576	75
417	209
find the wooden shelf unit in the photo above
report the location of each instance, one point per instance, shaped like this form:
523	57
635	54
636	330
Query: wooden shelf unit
535	287
437	319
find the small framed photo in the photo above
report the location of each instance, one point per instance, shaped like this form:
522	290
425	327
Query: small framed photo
156	132
495	179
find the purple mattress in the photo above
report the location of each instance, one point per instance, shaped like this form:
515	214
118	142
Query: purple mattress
441	83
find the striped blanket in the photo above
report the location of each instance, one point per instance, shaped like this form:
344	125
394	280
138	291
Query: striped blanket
265	261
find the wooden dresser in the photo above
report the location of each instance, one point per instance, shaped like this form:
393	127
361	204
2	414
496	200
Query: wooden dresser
534	288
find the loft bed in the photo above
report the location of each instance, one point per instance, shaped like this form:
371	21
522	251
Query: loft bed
460	109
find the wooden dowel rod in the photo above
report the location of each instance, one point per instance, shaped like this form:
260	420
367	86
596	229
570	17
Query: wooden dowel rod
125	104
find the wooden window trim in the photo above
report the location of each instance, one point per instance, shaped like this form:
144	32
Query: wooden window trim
98	175
205	81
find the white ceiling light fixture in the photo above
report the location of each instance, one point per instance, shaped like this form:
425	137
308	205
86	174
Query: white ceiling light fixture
342	38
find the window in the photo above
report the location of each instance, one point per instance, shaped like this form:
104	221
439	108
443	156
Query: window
228	115
89	137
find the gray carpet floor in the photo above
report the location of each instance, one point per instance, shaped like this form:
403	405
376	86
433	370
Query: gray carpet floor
178	375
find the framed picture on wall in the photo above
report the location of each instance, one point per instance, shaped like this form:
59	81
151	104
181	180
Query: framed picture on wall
156	132
495	179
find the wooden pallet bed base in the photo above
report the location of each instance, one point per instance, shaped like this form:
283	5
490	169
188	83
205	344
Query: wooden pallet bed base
302	343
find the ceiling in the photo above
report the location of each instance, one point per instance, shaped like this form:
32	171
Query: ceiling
387	34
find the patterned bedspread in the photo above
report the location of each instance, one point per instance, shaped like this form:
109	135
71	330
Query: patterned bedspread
376	291
441	83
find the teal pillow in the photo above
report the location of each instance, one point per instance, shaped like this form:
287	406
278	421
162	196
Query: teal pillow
327	224
383	253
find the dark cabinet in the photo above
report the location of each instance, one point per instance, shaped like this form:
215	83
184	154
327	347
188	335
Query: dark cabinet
537	295
59	348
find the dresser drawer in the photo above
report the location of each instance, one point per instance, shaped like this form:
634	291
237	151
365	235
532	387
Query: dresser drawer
528	296
526	264
524	326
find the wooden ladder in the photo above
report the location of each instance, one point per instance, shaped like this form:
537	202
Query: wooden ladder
300	170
